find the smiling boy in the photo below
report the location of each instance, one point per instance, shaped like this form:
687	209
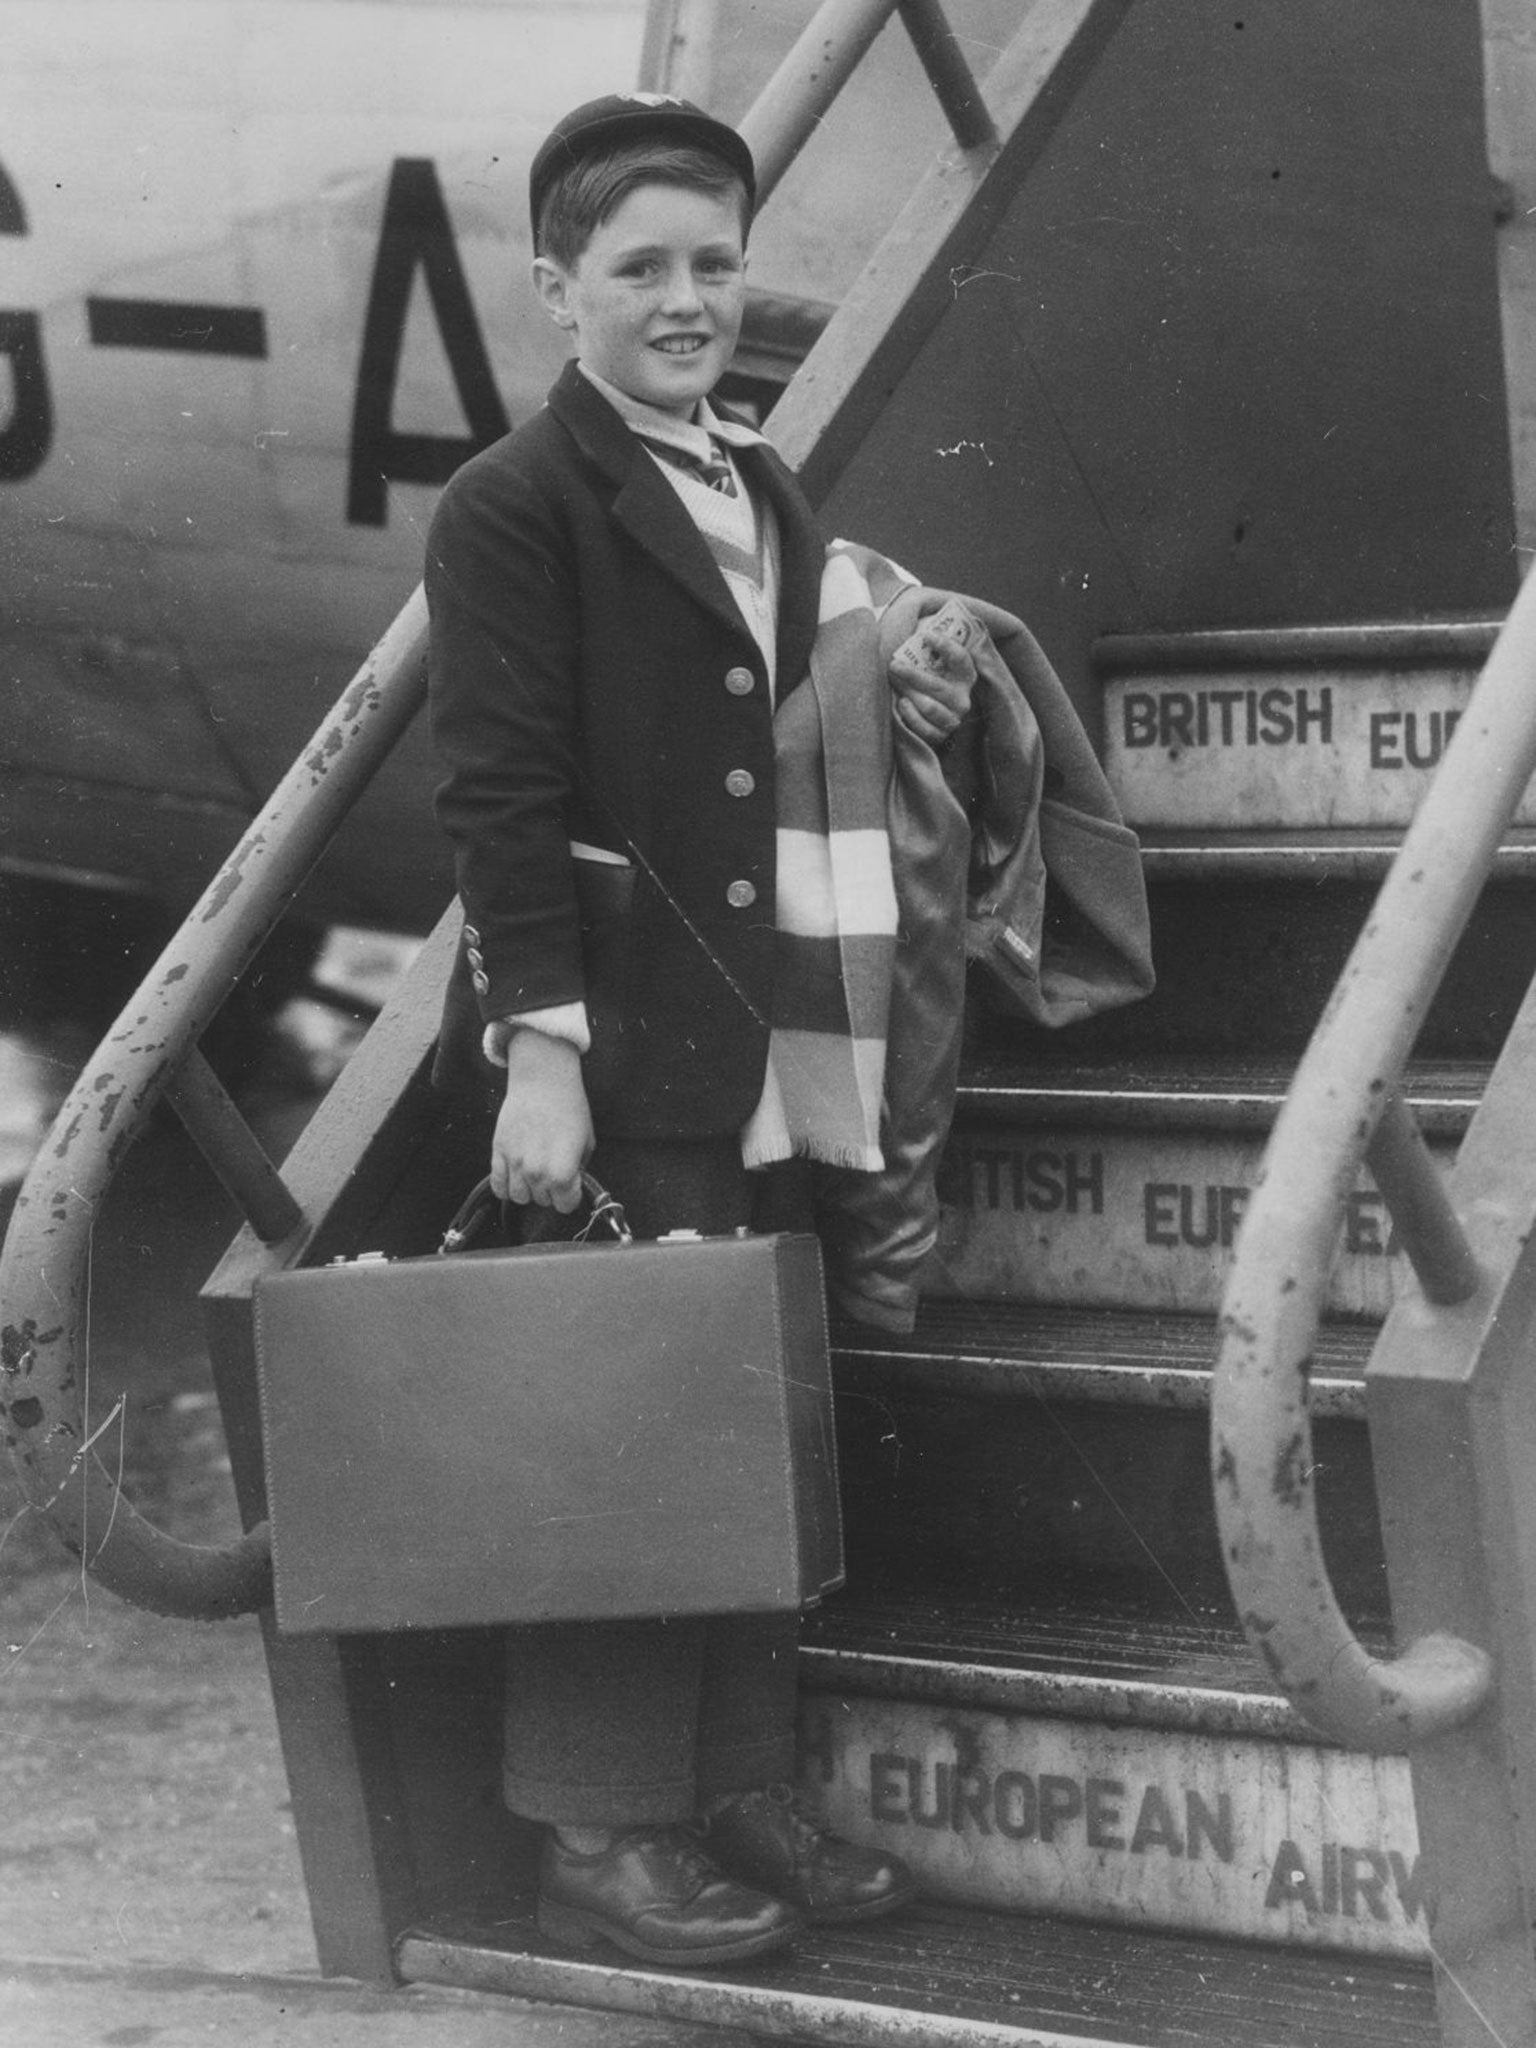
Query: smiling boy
621	593
655	298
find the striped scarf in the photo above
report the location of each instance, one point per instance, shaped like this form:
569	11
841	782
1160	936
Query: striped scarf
836	903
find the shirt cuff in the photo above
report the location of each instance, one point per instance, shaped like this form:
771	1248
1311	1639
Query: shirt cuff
561	1020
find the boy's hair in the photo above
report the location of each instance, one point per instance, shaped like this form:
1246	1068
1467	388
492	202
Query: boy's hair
590	191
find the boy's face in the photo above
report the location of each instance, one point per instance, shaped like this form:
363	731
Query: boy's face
655	299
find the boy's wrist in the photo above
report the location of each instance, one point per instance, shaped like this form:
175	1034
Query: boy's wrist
535	1060
527	1045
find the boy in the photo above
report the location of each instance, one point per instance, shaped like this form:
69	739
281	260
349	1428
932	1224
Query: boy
621	593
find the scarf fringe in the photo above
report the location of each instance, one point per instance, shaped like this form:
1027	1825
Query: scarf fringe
763	1150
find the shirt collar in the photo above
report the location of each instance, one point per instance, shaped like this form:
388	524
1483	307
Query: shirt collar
692	436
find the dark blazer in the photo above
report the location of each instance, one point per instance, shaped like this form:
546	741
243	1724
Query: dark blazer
589	681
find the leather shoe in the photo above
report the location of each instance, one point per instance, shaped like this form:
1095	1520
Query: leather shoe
655	1894
764	1839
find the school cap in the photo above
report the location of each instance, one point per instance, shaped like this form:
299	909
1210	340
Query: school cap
634	117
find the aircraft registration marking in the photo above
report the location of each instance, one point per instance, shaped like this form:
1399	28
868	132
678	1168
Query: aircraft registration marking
178	326
416	235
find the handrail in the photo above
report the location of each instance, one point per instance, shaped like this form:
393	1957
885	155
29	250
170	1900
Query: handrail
785	114
1260	1429
152	1051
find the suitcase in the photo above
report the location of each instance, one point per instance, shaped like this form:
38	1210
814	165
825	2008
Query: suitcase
554	1432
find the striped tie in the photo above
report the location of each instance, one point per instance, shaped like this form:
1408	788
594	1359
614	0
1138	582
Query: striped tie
712	469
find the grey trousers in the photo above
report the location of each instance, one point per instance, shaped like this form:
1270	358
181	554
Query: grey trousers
623	1723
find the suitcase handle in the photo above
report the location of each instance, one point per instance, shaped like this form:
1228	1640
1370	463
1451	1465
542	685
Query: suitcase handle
470	1218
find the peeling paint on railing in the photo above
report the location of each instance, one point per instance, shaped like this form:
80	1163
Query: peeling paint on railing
44	1265
1343	1110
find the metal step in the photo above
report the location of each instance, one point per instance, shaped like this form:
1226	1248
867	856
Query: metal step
1163	1092
1250	933
1365	646
1206	854
1012	1450
1013	1351
1045	1756
1193	1672
1289	729
968	1979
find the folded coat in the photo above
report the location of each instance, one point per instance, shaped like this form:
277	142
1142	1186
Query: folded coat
1008	851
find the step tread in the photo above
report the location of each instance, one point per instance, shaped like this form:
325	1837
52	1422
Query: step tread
1338	853
1174	1091
1368	644
1148	1357
1043	1655
1110	1641
970	1977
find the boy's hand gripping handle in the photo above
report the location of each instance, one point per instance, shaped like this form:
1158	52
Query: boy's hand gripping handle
474	1212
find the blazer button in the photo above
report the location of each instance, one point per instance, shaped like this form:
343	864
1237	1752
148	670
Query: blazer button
740	782
740	682
741	895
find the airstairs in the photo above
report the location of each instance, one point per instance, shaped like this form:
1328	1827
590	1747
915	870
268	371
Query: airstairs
1196	1728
